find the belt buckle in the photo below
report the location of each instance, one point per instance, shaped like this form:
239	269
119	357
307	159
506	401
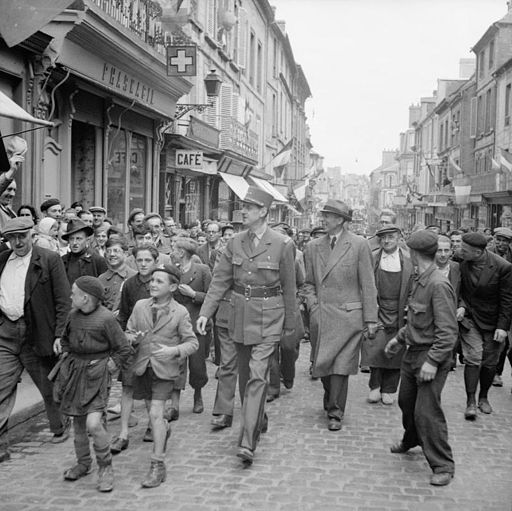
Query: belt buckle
247	292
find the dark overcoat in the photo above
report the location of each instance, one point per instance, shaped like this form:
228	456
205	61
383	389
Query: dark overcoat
47	298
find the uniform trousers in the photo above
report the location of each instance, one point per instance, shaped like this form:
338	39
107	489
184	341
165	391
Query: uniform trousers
422	416
253	367
227	375
17	354
198	376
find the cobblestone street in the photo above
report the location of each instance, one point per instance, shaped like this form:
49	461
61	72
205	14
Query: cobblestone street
299	463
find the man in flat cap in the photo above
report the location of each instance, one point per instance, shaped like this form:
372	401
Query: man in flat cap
342	299
258	265
484	313
393	270
34	303
430	334
99	214
502	240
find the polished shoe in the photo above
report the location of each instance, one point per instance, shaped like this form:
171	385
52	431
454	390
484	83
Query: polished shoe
171	414
4	454
118	445
148	435
288	384
198	402
387	399
441	479
484	406
364	369
58	438
334	424
497	381
246	455
105	479
76	472
398	448
374	396
271	397
156	475
470	413
222	421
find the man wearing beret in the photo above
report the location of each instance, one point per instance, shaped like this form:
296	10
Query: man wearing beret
52	208
34	303
342	299
258	265
393	270
430	335
484	313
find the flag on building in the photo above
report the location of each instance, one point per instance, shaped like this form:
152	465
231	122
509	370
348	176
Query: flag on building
506	160
455	165
462	194
282	158
495	165
300	192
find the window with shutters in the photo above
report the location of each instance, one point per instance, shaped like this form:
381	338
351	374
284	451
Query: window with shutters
274	115
242	38
507	104
212	112
473	118
211	20
480	114
481	64
252	58
259	64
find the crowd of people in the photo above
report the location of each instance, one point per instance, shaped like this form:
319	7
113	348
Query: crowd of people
84	303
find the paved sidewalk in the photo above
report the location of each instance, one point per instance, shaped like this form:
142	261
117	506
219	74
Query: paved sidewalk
299	464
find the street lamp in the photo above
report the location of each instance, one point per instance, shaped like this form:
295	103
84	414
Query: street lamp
212	82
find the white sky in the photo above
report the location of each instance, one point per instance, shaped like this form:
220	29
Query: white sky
366	61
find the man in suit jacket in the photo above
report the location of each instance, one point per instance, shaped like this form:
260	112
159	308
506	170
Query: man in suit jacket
484	314
208	251
342	298
34	303
258	265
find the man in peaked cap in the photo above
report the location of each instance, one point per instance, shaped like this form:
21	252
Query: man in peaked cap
484	313
430	333
258	266
34	303
393	270
339	289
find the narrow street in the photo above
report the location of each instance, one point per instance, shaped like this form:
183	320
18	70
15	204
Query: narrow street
299	464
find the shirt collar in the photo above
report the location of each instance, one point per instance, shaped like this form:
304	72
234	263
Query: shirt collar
392	255
260	231
23	258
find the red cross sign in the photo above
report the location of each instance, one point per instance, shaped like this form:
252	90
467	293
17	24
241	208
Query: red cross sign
181	60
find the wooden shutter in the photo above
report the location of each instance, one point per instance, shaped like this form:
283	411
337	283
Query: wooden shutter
210	19
473	118
226	112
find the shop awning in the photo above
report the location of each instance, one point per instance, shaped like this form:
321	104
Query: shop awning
237	183
10	109
265	185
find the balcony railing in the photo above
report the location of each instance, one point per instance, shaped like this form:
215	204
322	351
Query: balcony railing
143	18
237	138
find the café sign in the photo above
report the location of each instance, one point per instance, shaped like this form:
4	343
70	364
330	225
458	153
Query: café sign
189	159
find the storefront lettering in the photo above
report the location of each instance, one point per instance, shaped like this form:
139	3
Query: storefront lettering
122	81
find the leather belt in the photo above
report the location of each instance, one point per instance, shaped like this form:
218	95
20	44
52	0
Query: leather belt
257	292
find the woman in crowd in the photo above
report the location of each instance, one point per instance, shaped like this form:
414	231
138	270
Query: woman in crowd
47	231
27	210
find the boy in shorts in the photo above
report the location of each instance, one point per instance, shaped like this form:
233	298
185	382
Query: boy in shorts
160	330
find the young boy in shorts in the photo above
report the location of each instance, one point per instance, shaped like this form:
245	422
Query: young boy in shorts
93	345
160	330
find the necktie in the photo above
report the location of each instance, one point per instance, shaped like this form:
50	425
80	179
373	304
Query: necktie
333	242
252	237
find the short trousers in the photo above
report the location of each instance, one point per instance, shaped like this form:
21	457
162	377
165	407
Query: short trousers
148	386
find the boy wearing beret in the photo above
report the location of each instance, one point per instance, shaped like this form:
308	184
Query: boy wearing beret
161	331
93	345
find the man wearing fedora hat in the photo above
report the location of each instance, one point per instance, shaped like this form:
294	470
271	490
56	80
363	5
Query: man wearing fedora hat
342	299
34	303
258	265
80	260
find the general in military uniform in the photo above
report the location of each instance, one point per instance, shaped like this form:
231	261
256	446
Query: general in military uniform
258	265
